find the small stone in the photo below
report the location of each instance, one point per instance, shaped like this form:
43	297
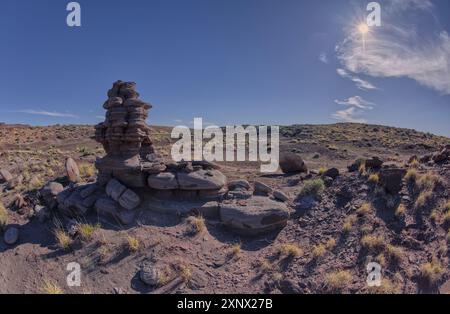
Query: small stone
129	200
5	176
15	182
280	196
19	201
149	274
73	173
332	173
373	163
239	184
114	189
88	190
11	235
262	188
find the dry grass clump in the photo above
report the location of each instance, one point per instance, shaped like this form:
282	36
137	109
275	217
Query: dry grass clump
446	217
374	178
63	238
185	272
400	211
338	280
411	176
86	170
330	244
195	224
371	242
51	287
431	272
322	170
386	287
235	250
3	216
290	250
428	181
414	164
423	199
319	251
364	209
265	265
86	231
133	244
395	253
348	223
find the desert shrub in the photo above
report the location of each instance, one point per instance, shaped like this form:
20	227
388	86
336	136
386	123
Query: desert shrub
330	244
446	217
313	187
338	280
414	163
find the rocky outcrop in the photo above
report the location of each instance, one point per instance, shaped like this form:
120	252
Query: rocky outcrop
392	179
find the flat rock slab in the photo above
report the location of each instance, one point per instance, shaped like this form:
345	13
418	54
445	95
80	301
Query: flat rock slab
254	216
209	209
201	180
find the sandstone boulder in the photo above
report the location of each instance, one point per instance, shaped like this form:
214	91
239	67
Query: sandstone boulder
290	163
72	171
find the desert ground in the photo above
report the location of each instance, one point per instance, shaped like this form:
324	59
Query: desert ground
338	223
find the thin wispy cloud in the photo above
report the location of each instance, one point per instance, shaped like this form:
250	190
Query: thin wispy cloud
356	101
323	58
400	49
47	113
360	83
358	106
352	114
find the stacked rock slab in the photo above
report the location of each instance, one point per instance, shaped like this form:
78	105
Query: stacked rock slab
125	137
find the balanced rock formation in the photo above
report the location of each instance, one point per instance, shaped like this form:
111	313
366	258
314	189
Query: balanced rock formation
133	177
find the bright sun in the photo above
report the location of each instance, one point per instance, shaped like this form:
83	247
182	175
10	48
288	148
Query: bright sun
363	28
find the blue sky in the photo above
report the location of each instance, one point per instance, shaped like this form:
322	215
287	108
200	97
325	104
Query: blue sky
229	61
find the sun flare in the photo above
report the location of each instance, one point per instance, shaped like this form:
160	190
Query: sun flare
363	28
